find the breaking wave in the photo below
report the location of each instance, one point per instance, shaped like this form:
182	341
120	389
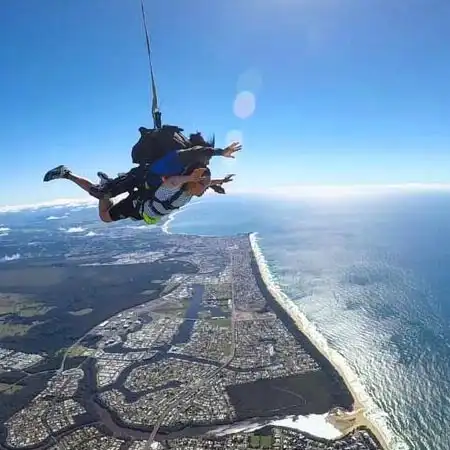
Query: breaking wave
57	217
7	258
375	416
73	230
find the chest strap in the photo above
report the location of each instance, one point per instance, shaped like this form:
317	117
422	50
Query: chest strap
166	204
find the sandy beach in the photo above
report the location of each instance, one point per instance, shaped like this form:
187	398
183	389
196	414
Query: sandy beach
344	421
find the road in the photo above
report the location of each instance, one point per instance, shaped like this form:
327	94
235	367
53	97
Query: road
66	353
193	389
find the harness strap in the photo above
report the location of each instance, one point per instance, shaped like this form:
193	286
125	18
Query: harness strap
167	204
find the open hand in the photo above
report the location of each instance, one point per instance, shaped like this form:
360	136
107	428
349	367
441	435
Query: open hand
229	151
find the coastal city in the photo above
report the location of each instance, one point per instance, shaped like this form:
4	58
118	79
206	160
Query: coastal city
11	360
213	349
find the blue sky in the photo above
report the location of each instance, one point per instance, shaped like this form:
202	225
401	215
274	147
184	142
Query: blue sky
346	91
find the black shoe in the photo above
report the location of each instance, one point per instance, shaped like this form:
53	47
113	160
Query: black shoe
56	173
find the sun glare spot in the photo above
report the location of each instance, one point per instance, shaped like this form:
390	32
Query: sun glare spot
244	105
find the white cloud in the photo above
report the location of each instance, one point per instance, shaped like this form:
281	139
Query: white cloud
326	191
57	203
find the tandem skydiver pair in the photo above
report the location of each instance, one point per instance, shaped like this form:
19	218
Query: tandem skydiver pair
172	170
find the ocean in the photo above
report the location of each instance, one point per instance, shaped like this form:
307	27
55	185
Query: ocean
370	273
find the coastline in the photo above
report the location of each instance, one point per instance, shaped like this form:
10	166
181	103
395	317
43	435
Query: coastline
346	422
165	226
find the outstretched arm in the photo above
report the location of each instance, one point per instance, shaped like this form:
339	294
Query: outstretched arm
202	155
198	154
175	162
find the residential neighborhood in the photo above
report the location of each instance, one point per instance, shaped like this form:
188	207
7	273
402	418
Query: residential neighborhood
212	349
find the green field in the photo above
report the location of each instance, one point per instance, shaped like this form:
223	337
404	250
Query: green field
176	309
21	305
9	329
77	350
227	349
81	312
8	389
260	442
266	441
224	323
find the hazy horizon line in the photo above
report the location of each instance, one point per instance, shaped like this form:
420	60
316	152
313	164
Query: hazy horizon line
297	190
